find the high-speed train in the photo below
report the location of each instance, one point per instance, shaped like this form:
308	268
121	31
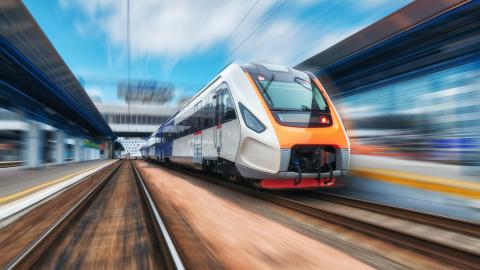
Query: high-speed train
272	126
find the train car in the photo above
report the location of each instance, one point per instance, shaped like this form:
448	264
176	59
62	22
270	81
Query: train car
270	125
152	145
143	151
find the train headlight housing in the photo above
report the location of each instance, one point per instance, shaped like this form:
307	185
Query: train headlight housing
250	120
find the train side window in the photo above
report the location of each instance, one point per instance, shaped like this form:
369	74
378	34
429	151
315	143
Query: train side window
184	127
200	119
205	116
228	107
197	116
190	125
179	129
218	107
211	114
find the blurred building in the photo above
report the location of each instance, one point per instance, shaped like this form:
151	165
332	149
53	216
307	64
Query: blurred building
145	91
14	134
12	127
131	146
133	122
409	84
141	112
46	108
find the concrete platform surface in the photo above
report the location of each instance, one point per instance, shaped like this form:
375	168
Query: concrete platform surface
17	179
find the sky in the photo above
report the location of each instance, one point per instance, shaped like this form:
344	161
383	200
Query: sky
187	42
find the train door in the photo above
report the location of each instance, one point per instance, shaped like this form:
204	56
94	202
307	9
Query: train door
161	147
197	135
230	127
227	125
218	120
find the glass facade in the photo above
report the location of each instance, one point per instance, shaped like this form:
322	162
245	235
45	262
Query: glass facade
137	119
131	146
432	117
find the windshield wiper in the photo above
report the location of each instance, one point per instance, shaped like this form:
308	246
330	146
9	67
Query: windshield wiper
265	88
270	82
314	107
297	80
305	108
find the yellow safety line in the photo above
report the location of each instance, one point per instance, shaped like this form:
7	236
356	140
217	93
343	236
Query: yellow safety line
30	190
451	186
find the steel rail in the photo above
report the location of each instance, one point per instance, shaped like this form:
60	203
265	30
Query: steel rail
30	255
7	164
448	223
161	228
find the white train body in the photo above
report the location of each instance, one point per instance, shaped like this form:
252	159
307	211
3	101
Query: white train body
215	131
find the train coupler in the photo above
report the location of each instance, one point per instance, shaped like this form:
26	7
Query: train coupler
299	169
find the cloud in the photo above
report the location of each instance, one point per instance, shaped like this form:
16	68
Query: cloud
64	4
288	42
373	3
370	5
94	91
272	44
169	29
329	39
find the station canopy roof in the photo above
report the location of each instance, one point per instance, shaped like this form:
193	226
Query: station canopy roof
36	82
420	38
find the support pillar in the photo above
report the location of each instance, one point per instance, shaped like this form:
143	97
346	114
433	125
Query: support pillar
60	148
107	151
34	146
77	150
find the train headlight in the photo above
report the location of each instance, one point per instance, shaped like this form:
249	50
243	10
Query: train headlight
250	120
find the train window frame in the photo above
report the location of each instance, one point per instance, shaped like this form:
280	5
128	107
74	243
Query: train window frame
228	108
211	109
197	110
207	116
219	93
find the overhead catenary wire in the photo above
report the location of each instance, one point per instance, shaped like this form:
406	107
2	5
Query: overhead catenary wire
244	17
229	59
256	29
235	29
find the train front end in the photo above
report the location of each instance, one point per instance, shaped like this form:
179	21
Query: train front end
309	146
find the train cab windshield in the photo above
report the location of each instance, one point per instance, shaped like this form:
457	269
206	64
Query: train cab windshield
295	102
300	95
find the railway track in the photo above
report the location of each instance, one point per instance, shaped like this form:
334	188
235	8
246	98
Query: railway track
7	164
115	225
451	224
453	242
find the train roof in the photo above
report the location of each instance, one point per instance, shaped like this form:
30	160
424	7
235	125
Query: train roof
258	68
247	67
281	73
163	124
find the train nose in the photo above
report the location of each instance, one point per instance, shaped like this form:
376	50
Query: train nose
312	159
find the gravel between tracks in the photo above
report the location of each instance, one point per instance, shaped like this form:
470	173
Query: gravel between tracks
238	238
113	232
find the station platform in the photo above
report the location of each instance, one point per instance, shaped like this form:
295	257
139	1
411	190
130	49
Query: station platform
17	182
447	190
22	189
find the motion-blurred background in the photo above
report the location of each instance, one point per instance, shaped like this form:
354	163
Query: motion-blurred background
404	75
